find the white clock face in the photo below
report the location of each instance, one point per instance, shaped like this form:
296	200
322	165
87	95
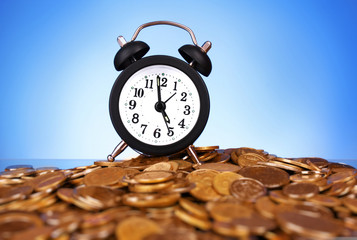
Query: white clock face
159	115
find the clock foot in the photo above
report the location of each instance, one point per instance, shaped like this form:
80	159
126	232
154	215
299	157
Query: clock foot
192	153
117	150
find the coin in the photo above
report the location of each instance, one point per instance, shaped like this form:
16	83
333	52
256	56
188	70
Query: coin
222	182
220	167
8	194
351	203
250	159
193	208
206	149
153	177
247	189
266	207
311	227
192	219
149	188
185	203
270	177
150	200
161	166
12	222
104	176
136	228
228	211
300	190
20	166
204	192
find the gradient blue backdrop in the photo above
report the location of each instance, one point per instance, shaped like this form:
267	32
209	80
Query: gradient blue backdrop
284	73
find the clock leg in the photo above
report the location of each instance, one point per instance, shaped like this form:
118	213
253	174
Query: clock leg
192	153
117	150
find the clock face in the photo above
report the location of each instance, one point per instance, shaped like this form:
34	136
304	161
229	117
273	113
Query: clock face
159	105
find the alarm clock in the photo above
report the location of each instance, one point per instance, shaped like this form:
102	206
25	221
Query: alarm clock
159	105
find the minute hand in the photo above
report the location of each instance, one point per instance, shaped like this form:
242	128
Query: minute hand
158	89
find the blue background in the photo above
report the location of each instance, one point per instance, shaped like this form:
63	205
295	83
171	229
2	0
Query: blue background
284	73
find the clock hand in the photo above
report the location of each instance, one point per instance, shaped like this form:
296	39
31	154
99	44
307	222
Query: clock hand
158	89
166	118
170	97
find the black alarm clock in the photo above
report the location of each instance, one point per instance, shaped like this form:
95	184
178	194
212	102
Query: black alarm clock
159	105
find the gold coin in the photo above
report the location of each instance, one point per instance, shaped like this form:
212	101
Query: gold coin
300	190
307	226
234	157
204	176
182	164
98	197
222	182
12	222
141	162
279	197
247	189
20	166
250	159
150	199
192	219
270	177
104	176
221	158
281	165
161	166
207	156
153	177
324	200
194	208
106	163
206	149
204	192
311	177
149	188
220	167
295	163
66	194
8	194
228	211
266	207
351	203
17	173
229	230
136	228
256	224
341	177
49	180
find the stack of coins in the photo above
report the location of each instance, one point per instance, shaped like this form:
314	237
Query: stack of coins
236	193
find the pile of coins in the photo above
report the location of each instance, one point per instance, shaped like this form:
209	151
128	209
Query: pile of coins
237	193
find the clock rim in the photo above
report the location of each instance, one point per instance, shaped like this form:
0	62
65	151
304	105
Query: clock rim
168	149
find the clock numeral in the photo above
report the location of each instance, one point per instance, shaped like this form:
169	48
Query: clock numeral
149	83
170	133
182	123
164	82
184	96
187	110
135	118
157	133
139	92
175	86
145	126
132	104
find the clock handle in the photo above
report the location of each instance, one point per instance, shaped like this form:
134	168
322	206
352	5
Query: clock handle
117	150
205	47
